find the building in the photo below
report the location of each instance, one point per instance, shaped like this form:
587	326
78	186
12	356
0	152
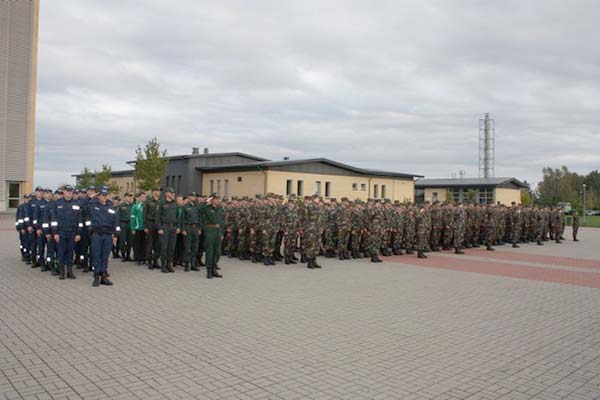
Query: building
18	71
240	174
485	190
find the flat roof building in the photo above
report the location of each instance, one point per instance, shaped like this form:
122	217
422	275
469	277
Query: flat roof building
484	190
18	71
240	174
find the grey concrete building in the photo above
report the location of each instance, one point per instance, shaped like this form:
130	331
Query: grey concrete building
18	70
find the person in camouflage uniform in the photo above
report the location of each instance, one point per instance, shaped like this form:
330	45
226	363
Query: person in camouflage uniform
331	229
515	224
459	228
557	224
311	230
491	219
539	226
191	229
398	230
268	227
447	226
409	229
421	232
291	228
375	227
359	228
575	225
344	227
436	226
253	222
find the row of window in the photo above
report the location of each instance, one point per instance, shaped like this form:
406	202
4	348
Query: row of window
289	188
481	196
174	182
221	189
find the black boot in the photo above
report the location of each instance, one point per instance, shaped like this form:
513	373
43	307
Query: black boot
458	251
287	260
61	272
104	280
516	246
421	254
170	267
70	274
409	251
378	259
96	280
539	242
490	248
253	258
310	264
216	273
341	256
374	259
272	260
186	267
54	270
303	259
266	261
44	267
86	268
294	258
209	272
164	269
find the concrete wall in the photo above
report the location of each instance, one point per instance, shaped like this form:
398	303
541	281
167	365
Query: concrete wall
441	194
507	196
18	71
252	183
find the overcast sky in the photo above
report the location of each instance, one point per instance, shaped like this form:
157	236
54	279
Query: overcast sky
396	85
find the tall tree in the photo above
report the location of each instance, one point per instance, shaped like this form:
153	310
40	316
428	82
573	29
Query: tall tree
86	178
103	178
150	165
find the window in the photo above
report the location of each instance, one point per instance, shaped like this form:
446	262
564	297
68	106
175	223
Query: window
167	182
226	187
375	191
355	186
318	188
289	184
434	197
300	191
14	194
486	196
457	195
327	189
363	187
239	178
179	184
212	186
219	187
383	192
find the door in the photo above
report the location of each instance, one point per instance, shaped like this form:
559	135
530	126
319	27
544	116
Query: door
14	194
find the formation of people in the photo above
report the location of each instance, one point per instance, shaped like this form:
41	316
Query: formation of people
68	228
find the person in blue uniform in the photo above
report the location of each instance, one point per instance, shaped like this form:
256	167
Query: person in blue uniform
22	228
103	224
32	223
88	196
66	225
51	260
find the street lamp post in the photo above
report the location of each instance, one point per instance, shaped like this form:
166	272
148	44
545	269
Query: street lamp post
584	186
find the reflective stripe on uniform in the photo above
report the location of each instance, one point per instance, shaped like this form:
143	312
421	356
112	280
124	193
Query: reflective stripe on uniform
26	219
45	225
88	223
21	221
35	221
54	223
81	224
118	229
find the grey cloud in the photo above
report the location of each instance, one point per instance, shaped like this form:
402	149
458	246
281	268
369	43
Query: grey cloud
388	85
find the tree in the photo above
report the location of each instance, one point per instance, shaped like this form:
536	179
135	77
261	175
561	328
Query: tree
86	179
103	178
150	165
449	196
471	195
526	198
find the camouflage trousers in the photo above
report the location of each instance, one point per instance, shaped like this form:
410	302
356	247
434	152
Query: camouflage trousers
310	243
436	236
229	240
386	239
409	239
243	242
290	241
343	239
330	237
255	243
397	240
459	236
374	243
356	239
447	237
268	238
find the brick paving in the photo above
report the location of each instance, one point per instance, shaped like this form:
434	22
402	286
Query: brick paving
354	330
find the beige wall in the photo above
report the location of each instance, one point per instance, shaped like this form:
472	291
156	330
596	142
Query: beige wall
253	182
507	196
125	183
441	194
262	182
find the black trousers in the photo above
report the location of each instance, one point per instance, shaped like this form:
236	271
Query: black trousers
139	246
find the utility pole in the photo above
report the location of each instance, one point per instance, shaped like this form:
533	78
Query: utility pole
584	186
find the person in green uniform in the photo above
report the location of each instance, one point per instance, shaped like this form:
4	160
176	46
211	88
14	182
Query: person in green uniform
124	228
150	229
167	223
191	230
137	228
213	223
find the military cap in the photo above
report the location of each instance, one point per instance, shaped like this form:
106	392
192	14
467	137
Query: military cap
215	195
192	194
397	202
26	195
58	191
103	190
292	196
68	188
127	194
156	189
259	196
93	188
169	190
118	198
315	196
39	189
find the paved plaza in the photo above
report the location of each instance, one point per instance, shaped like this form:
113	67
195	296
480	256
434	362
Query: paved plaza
512	324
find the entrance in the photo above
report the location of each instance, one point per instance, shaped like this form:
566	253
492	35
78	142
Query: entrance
14	194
